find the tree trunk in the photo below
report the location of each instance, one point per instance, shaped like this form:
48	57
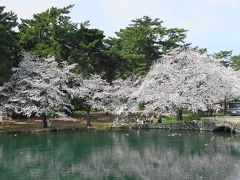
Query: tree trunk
88	118
210	112
225	105
45	122
179	115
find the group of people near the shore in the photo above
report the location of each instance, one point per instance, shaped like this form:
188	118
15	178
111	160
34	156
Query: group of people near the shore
150	119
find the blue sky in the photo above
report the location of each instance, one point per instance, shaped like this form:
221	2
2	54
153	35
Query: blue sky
211	24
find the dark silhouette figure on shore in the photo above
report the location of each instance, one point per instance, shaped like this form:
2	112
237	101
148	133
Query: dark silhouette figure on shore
159	119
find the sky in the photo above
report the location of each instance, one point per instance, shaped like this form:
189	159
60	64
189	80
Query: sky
211	24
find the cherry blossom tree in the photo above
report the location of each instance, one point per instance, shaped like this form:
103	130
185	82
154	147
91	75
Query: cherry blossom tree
180	80
187	80
121	95
89	92
96	93
38	87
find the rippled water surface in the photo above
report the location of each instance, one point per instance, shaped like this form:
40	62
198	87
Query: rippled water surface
154	154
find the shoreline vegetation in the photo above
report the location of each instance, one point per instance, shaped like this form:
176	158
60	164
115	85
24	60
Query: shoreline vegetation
101	121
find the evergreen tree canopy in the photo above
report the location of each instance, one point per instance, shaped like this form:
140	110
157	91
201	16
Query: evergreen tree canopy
142	42
41	35
51	33
9	49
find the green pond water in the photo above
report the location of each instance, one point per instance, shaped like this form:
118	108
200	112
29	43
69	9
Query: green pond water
153	154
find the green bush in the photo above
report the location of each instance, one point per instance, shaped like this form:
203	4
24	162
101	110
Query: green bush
141	106
169	119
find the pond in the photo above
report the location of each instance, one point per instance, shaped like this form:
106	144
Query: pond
153	154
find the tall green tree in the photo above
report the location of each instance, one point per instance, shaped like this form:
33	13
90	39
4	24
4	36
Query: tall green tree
9	49
52	33
40	35
142	42
88	50
236	62
114	63
228	59
225	57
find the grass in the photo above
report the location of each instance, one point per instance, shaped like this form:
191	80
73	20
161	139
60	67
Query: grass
169	119
173	119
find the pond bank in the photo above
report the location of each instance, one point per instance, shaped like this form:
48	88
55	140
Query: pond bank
36	126
226	123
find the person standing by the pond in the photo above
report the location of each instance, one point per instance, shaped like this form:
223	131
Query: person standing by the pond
1	116
151	119
159	118
144	119
1	119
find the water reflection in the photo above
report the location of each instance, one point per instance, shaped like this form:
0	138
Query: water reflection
121	155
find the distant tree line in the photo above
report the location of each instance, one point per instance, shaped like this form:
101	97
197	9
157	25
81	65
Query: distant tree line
52	33
183	79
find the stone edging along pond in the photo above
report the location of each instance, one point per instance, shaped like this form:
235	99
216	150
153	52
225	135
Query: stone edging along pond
207	124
